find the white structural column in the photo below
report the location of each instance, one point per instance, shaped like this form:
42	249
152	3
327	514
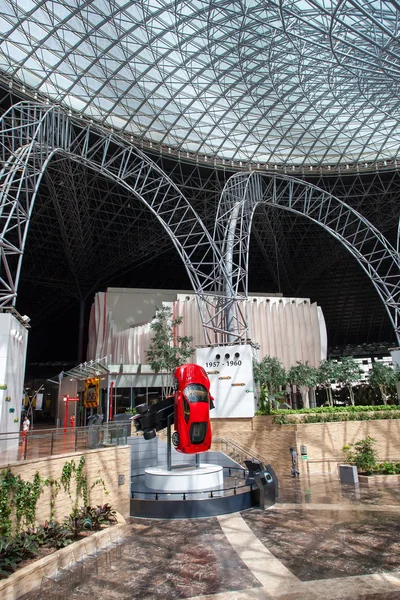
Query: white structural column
13	345
395	353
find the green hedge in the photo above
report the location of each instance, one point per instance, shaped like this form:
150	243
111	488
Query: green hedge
333	409
387	468
282	419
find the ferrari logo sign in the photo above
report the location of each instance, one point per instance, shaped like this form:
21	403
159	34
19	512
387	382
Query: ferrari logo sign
91	399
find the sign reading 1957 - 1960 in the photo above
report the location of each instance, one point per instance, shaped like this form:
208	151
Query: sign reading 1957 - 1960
227	363
230	370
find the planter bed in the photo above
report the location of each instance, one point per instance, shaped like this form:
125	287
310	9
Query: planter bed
28	578
380	479
332	417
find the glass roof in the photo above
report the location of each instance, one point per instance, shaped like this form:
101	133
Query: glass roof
286	82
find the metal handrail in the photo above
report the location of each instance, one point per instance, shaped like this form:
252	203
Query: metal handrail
243	450
210	493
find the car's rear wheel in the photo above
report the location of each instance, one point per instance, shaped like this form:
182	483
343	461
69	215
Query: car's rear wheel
175	438
149	434
142	408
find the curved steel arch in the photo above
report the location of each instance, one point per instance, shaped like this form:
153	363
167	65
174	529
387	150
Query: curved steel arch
244	191
31	134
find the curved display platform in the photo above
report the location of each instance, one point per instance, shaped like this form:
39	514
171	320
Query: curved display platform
184	478
189	509
236	493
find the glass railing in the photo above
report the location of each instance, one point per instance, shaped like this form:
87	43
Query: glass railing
17	446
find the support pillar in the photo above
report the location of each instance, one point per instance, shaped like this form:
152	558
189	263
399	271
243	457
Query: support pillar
13	346
395	353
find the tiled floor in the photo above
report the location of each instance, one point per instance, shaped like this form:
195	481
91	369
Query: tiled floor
323	541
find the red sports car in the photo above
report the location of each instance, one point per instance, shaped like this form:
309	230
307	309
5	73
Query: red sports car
192	410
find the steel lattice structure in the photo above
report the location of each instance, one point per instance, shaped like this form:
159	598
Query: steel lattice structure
31	134
307	88
304	83
243	192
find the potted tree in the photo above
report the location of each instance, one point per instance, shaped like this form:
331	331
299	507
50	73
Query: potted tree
384	378
305	376
363	456
348	373
167	350
327	374
270	374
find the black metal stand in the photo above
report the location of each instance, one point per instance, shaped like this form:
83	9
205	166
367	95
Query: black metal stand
169	448
197	461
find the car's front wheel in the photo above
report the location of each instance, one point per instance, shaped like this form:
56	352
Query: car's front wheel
175	438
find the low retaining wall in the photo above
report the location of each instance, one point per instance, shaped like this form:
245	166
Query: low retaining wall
29	578
103	463
380	480
324	441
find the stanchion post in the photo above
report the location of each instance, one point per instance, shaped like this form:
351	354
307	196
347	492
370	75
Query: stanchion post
169	449
26	445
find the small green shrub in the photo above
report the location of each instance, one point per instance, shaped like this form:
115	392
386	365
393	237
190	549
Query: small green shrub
280	419
10	556
54	535
76	524
99	515
362	454
387	468
334	414
15	550
340	409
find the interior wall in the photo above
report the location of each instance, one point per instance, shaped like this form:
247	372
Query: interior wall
292	329
104	463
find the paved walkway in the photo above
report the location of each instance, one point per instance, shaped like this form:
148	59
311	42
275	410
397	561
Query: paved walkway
325	541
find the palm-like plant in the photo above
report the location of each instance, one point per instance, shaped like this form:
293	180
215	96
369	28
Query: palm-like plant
349	372
167	350
383	377
305	376
270	374
328	373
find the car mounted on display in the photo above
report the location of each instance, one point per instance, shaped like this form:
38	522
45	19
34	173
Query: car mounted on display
188	409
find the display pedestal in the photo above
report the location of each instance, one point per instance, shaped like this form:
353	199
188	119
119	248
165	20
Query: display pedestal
184	478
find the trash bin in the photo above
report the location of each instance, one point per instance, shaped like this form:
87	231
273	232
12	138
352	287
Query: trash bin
124	419
93	437
348	474
94	422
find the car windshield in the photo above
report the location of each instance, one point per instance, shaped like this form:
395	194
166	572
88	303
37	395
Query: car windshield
195	392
